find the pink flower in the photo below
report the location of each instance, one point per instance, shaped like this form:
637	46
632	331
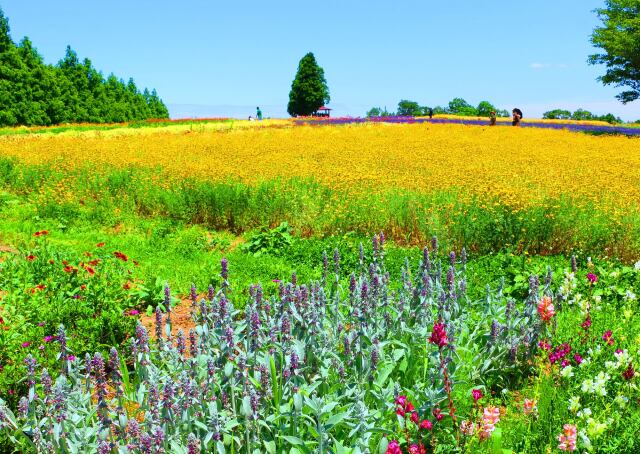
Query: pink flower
71	358
401	400
414	449
546	309
544	345
41	324
568	438
48	338
133	312
477	394
415	418
587	322
438	335
578	359
490	417
25	344
393	448
426	424
593	279
530	406
608	337
468	428
629	373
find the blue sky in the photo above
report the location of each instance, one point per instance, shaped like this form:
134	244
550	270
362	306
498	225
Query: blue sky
214	58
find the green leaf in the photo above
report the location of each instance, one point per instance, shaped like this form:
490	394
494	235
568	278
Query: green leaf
270	446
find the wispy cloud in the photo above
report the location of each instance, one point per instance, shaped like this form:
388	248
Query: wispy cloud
540	65
537	65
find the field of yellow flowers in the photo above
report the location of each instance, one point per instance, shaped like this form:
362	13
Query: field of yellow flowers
408	178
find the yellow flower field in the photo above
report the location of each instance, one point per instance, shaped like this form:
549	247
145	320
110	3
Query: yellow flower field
518	167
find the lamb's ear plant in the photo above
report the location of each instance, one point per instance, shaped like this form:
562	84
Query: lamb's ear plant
368	364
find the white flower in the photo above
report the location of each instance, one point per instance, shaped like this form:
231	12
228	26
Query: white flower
585	440
595	428
636	266
621	400
587	386
584	413
614	274
600	384
566	372
574	404
629	296
610	365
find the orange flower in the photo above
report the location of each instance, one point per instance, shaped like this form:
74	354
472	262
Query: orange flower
90	270
100	244
121	256
68	269
41	232
546	309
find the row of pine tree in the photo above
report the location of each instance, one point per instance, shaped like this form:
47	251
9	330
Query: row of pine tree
73	91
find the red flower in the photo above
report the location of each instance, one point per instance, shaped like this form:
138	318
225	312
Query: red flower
546	309
100	244
1	320
41	232
64	262
409	406
90	270
426	424
587	322
127	286
393	448
68	269
400	411
51	261
415	418
94	262
121	256
31	257
477	394
83	287
608	337
629	373
438	335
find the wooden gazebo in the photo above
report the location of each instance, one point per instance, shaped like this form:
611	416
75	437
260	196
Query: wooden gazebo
323	112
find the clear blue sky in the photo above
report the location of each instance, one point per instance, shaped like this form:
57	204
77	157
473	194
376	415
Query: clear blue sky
215	58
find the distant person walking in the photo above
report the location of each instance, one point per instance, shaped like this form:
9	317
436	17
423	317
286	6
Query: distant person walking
517	116
258	113
492	118
430	113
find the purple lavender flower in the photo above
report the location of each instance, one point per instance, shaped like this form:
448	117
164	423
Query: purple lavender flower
193	444
259	296
336	261
31	370
210	293
434	244
116	374
224	269
375	357
451	274
193	343
167	400
133	430
97	367
223	307
294	362
62	339
23	407
285	327
146	443
452	258
255	403
194	295
228	334
158	326
47	383
180	343
104	447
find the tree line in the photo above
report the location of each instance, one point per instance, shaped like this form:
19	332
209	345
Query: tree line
580	114
72	91
457	106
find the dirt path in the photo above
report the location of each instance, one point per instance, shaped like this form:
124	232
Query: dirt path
180	320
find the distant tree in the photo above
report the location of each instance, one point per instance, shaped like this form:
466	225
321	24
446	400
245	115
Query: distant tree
459	106
34	93
619	38
439	110
557	114
582	114
309	89
609	118
378	112
485	108
502	113
408	108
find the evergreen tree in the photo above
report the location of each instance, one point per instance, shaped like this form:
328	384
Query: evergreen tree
34	93
309	89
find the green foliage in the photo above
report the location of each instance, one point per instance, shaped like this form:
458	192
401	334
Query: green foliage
459	106
485	108
378	112
619	39
582	114
34	93
309	89
408	108
44	287
557	114
269	241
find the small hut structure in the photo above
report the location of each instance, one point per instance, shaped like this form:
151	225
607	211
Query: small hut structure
323	112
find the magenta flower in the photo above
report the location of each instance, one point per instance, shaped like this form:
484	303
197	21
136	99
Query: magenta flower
48	338
592	278
25	344
393	448
71	358
133	312
477	394
608	337
577	358
438	335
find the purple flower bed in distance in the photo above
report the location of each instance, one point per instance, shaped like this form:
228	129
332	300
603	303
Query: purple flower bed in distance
475	122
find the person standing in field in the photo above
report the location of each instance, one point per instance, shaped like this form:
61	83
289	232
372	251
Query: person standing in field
258	113
517	116
492	118
430	113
